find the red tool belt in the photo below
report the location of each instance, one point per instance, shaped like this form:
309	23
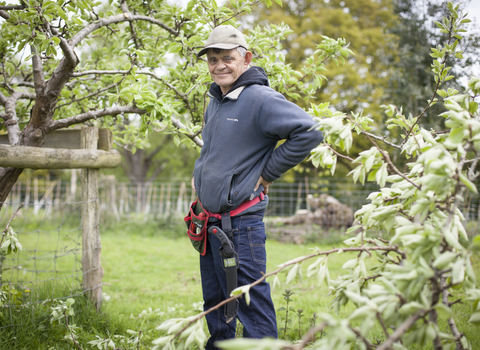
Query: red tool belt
197	220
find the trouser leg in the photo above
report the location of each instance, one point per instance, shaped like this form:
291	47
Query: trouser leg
214	290
258	318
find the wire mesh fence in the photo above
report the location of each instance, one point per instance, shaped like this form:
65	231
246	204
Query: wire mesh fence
120	200
47	265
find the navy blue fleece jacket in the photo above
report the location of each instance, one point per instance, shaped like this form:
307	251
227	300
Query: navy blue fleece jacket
241	132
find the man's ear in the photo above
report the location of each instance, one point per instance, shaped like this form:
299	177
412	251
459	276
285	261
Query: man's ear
248	57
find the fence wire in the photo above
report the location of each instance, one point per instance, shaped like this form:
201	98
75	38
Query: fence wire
49	265
119	200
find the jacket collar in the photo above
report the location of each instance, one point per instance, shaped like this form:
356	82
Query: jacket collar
254	75
233	94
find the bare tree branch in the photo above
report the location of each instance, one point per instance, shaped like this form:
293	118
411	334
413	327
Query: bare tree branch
383	140
124	8
390	248
25	83
10	117
339	154
88	72
3	99
27	95
89	95
38	79
437	86
451	321
359	335
81	118
380	320
401	330
10	221
127	16
13	7
68	52
308	338
384	154
4	14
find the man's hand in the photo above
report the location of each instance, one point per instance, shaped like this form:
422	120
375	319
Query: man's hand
264	183
193	184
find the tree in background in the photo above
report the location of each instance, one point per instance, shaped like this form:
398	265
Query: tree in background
357	85
411	80
159	157
391	40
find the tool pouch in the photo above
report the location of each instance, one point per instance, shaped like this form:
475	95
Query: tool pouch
196	221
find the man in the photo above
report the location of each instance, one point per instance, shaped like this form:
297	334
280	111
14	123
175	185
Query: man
244	121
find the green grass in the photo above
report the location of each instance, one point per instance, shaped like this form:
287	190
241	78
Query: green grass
151	273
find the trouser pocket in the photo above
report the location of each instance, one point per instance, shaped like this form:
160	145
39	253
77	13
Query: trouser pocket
256	239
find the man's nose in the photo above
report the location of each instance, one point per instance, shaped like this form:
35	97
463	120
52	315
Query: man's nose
221	64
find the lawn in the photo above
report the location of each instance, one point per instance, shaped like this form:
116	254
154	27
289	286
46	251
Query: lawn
151	278
151	274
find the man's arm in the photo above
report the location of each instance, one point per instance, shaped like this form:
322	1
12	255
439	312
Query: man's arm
281	119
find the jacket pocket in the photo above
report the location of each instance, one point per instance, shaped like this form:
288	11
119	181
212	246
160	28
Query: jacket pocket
231	189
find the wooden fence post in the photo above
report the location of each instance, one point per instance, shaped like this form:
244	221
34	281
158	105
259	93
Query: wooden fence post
91	245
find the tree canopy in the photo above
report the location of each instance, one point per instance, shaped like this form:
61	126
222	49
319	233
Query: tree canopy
125	63
391	40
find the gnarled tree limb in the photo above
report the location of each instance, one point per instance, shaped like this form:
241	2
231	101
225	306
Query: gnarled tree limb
81	118
127	16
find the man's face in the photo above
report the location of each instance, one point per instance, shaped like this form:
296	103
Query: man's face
226	66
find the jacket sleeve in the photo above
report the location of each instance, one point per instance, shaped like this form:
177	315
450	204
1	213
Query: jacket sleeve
283	120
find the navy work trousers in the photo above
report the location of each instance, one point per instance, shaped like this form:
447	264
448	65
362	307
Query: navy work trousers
258	318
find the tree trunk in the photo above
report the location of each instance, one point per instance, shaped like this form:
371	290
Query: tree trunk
8	178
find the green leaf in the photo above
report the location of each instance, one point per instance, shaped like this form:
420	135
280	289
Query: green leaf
176	140
56	40
292	274
61	13
175	47
470	185
411	308
444	311
458	272
475	318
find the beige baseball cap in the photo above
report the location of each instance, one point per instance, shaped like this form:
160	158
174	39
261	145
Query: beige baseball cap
224	37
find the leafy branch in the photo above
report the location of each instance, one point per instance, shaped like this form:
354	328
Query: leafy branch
450	26
176	332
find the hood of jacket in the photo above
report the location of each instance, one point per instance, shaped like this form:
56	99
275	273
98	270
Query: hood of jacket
253	75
